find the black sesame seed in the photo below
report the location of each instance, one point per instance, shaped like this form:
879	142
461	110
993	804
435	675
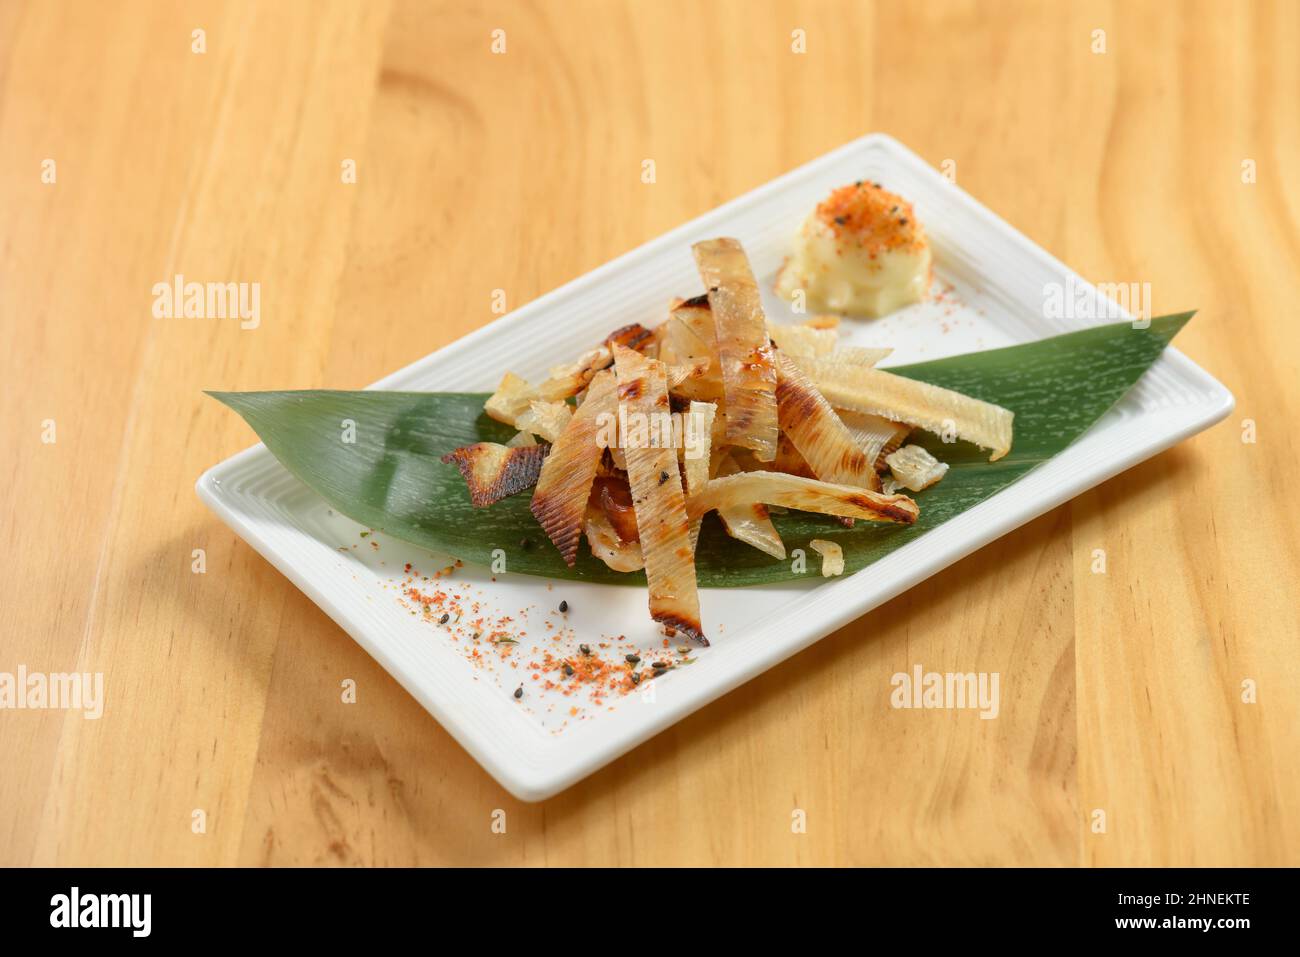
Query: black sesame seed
568	671
631	659
903	221
585	649
661	665
564	607
444	619
840	220
663	477
519	692
636	677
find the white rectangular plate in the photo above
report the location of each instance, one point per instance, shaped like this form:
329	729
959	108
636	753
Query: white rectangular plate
993	282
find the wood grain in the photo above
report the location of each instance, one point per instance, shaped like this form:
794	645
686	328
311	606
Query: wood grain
1122	691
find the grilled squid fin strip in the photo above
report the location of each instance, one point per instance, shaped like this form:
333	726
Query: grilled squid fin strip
658	498
744	352
564	485
809	495
930	407
494	471
817	432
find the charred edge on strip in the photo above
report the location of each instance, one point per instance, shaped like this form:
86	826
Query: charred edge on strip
518	470
895	513
555	518
634	336
687	627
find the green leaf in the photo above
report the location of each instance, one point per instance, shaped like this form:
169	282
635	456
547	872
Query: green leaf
391	476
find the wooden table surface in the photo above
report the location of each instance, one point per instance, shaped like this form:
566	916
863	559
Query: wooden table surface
1169	158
